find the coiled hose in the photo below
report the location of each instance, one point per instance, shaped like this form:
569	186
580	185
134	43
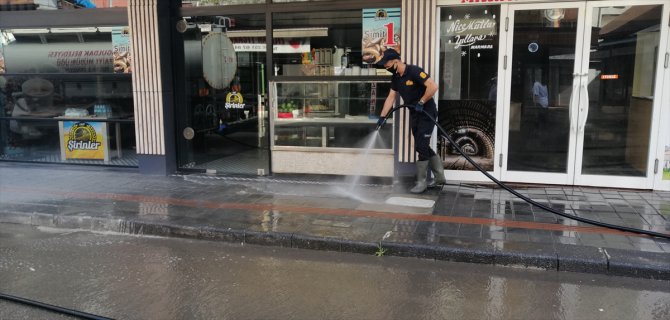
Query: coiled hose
524	198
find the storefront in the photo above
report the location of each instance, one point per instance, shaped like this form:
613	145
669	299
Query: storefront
65	85
291	93
561	92
557	92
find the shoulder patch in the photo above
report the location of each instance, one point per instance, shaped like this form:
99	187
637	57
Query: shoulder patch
423	75
409	83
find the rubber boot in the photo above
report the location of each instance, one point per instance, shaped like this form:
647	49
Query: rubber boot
437	168
421	173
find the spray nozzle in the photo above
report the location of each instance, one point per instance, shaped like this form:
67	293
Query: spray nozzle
380	123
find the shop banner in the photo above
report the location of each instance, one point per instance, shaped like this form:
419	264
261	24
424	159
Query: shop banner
84	140
93	57
281	45
381	31
121	49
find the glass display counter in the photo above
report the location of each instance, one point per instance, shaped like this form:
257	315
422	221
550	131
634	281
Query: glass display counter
326	127
328	114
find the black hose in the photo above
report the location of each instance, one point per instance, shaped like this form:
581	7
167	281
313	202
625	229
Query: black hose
52	308
529	200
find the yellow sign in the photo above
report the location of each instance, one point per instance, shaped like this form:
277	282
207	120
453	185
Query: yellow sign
234	100
83	140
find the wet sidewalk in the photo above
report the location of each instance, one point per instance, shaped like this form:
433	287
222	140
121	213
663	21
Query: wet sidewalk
461	222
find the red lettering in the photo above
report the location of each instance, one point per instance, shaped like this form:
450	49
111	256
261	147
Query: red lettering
390	42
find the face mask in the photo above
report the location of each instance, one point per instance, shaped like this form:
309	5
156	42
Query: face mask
392	69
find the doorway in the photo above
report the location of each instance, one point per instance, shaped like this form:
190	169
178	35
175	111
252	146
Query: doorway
582	92
221	93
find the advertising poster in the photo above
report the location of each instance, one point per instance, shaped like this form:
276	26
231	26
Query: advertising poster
2	61
58	57
468	84
381	31
121	50
83	140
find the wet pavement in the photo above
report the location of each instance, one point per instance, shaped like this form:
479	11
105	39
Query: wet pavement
140	277
467	223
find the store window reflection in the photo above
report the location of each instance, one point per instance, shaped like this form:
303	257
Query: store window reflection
204	3
468	84
622	79
53	82
20	5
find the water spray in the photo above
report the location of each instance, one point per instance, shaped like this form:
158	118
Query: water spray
516	193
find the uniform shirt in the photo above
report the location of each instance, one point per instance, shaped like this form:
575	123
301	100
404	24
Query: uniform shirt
411	86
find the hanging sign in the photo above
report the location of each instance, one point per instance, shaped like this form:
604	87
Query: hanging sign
381	31
83	140
609	76
219	61
121	49
281	45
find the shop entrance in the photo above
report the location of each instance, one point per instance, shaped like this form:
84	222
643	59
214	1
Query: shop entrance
220	94
582	89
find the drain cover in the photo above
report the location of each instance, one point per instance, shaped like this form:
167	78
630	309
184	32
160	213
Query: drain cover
410	202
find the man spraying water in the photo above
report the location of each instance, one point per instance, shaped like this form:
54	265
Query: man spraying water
416	88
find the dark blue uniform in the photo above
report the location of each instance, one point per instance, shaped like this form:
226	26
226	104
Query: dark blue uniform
411	88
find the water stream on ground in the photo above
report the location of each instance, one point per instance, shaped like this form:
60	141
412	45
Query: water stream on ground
351	188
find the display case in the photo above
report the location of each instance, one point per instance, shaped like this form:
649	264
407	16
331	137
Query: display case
40	114
328	114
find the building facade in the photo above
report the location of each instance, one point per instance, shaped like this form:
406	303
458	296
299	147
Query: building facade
556	92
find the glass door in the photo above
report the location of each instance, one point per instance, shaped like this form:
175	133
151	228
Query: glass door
222	122
542	92
582	92
662	161
621	81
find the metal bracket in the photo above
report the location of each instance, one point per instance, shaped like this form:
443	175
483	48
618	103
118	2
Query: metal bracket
500	163
667	57
656	166
507	24
505	63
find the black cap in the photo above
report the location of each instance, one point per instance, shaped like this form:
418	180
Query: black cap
389	54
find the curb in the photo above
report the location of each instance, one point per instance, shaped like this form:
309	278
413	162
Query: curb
559	257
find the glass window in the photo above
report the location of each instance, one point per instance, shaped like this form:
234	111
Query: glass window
319	44
468	83
622	79
330	114
61	81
